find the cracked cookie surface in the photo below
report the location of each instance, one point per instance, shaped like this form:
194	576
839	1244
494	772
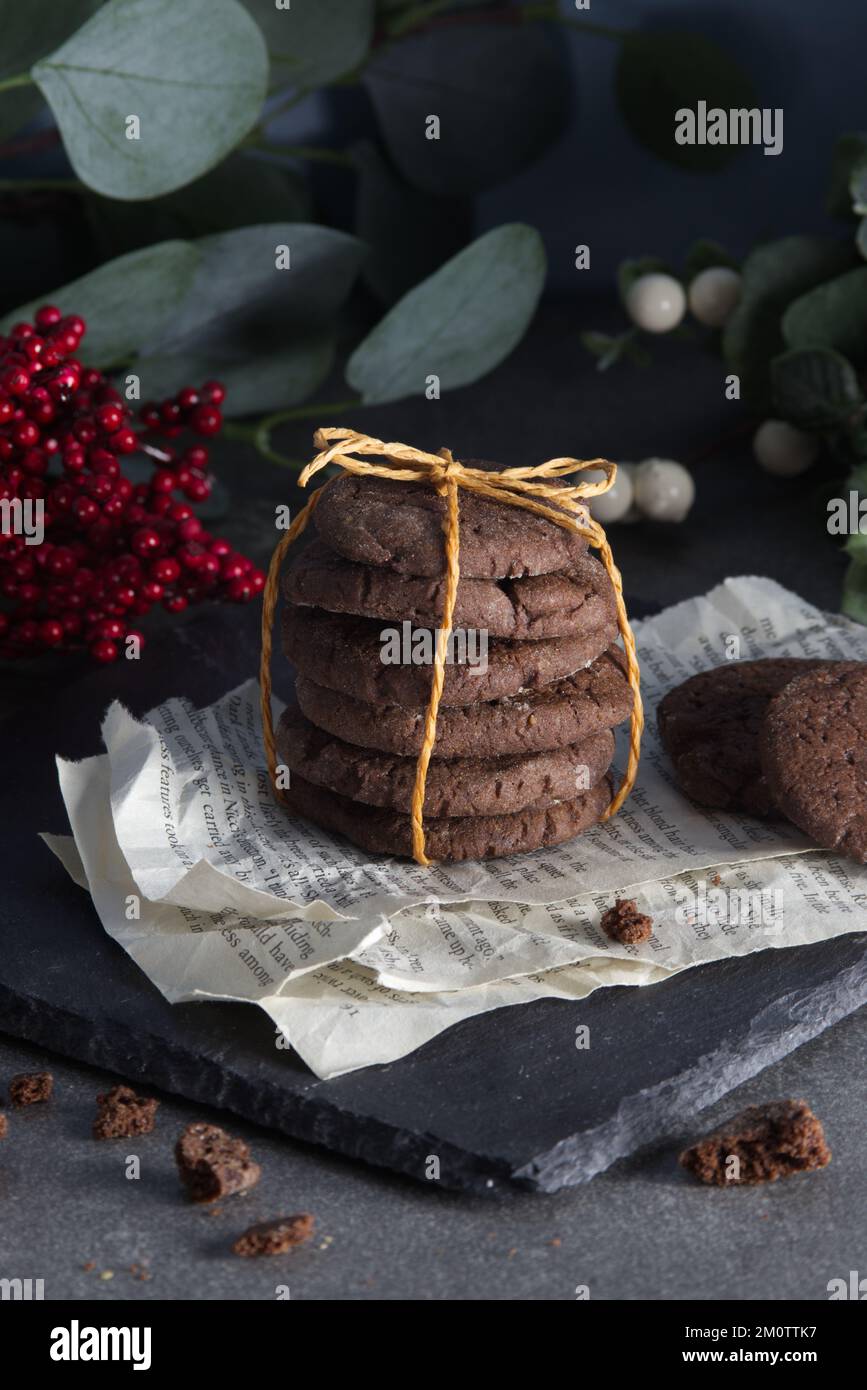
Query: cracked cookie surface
565	712
526	609
454	786
345	653
814	754
376	521
449	839
710	726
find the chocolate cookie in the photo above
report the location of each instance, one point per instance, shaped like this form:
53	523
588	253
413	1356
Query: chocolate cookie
454	787
537	606
375	521
566	712
814	754
345	653
710	727
449	838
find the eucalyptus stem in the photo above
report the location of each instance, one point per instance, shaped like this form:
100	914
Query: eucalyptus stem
259	434
23	79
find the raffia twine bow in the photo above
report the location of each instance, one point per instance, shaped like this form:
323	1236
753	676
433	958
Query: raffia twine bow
516	487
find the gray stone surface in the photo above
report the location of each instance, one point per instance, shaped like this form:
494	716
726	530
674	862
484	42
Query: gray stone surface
643	1230
501	1099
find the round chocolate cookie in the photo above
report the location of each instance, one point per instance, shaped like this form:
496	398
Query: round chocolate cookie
454	786
346	653
567	712
537	606
814	754
449	838
375	521
710	727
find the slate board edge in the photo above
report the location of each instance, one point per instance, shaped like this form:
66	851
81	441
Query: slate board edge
154	1061
580	1157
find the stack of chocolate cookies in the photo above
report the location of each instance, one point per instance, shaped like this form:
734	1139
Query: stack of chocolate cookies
534	683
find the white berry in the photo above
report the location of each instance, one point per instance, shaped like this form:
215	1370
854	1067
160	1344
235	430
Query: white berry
664	490
783	450
713	295
656	302
614	504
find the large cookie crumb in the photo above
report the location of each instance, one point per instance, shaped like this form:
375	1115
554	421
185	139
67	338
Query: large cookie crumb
624	923
768	1141
30	1087
212	1164
275	1237
121	1114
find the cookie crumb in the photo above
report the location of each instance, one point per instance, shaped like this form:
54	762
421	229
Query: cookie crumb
211	1164
4	1125
624	923
30	1087
768	1141
121	1114
91	1264
275	1237
715	880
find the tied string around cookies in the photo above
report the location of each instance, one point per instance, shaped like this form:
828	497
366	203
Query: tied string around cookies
532	489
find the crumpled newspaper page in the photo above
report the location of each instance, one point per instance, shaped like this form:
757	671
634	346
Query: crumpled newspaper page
217	893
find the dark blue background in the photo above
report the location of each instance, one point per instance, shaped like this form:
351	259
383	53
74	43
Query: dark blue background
600	187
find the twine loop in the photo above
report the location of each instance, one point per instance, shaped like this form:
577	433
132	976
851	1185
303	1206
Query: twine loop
531	488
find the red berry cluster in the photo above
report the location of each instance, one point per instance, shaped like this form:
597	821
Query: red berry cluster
112	549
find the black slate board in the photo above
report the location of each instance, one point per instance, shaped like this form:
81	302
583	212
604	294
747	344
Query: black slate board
503	1099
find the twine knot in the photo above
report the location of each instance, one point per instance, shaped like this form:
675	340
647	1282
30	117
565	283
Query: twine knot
534	489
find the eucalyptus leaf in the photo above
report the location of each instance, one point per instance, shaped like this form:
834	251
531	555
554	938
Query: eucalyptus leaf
815	388
410	233
243	190
311	42
849	150
241	301
124	301
30	29
706	255
832	315
630	271
457	325
660	72
854	603
500	95
856	546
771	277
194	75
858	185
272	381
